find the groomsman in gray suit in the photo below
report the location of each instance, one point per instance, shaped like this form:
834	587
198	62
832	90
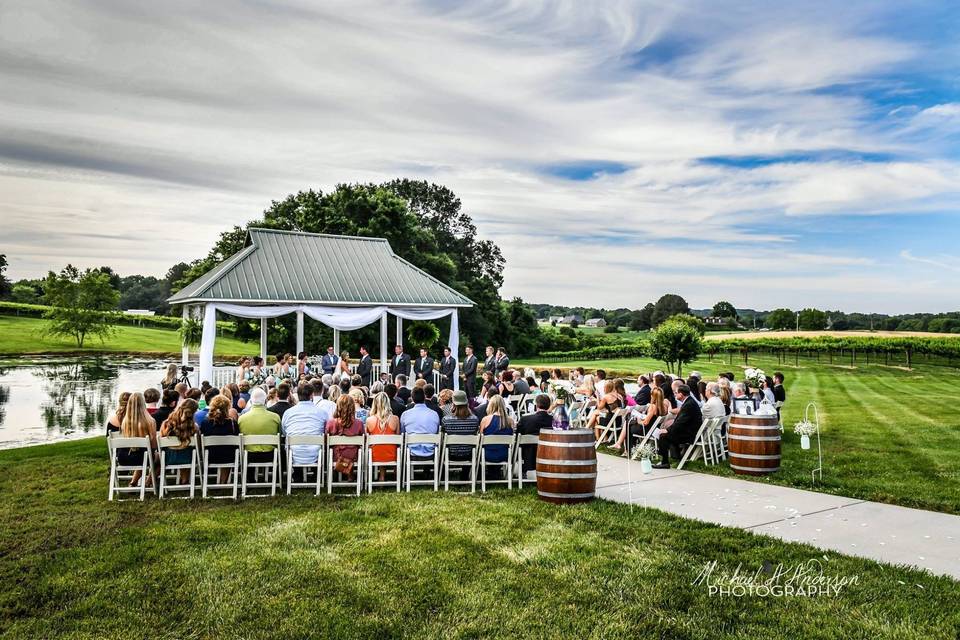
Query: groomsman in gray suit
448	367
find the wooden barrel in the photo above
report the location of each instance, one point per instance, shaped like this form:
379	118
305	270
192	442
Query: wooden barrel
754	444
566	466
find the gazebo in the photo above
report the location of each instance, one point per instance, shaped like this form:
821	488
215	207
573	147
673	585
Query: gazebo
345	282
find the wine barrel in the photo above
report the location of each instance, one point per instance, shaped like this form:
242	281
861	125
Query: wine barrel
566	466
754	444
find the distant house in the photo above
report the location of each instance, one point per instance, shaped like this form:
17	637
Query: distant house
715	321
140	312
555	319
596	322
571	319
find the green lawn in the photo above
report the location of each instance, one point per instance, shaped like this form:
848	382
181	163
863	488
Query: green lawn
419	565
20	336
888	434
620	336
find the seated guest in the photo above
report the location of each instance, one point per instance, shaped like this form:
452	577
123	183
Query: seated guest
375	388
136	423
506	385
533	387
496	423
259	421
151	396
228	394
642	396
683	429
114	421
544	382
181	424
445	402
431	400
181	389
381	421
420	419
167	405
283	399
397	405
725	397
461	421
530	425
657	407
693	381
317	390
713	406
219	423
600	382
621	390
170	378
244	388
360	400
403	391
610	402
666	386
587	387
208	396
489	382
556	375
345	423
303	419
520	386
702	391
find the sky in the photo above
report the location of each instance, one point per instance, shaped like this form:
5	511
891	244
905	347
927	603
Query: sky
770	154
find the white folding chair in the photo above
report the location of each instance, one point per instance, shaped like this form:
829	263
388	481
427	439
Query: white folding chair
316	466
396	464
515	401
718	440
700	440
518	456
454	439
117	470
206	442
410	465
656	425
336	441
611	430
271	468
506	465
170	443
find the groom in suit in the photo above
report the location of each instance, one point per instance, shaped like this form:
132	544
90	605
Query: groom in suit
683	429
470	373
423	367
365	367
448	367
329	362
400	365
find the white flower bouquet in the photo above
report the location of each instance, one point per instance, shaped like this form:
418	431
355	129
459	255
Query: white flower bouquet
559	391
646	452
754	377
804	428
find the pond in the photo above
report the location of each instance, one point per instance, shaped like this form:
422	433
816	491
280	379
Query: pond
52	399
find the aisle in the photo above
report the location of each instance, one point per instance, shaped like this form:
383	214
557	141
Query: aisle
883	532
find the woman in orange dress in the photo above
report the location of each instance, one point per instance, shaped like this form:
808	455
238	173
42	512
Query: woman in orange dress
381	421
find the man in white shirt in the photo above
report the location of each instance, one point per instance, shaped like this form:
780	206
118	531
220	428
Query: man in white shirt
713	407
304	419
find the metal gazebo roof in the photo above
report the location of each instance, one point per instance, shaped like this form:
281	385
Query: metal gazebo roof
293	267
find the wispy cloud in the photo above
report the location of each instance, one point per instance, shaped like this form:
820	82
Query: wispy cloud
942	261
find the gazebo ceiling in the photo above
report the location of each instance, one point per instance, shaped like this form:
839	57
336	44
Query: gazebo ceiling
277	267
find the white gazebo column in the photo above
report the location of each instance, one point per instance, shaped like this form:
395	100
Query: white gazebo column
383	343
185	350
399	330
263	340
336	342
299	332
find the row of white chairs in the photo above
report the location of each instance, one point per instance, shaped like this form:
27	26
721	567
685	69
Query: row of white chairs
243	475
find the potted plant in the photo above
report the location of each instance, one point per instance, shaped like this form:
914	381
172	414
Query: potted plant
804	429
647	453
754	379
191	332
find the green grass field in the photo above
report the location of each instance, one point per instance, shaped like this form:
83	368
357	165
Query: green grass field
888	434
22	336
620	336
419	565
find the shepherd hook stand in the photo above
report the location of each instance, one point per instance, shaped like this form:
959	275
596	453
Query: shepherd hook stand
806	418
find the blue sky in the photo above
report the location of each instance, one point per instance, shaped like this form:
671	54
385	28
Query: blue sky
771	154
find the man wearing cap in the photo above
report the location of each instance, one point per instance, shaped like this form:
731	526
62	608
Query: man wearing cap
259	421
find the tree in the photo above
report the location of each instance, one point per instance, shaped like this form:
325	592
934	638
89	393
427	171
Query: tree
642	319
694	322
5	287
668	305
780	319
676	343
813	320
574	324
81	303
25	294
724	309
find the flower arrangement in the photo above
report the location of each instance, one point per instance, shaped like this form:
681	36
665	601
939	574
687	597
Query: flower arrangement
559	391
754	377
646	452
804	428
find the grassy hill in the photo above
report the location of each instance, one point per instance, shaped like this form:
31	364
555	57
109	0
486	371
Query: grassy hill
420	565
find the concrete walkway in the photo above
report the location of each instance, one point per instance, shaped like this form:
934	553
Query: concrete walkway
883	532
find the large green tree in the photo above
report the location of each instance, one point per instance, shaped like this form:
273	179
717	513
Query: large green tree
724	309
780	319
81	303
669	304
813	320
675	342
5	287
424	224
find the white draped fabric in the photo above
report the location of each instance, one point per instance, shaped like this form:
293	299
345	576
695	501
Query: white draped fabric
341	318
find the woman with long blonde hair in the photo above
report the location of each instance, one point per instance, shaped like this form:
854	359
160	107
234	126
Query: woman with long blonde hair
344	365
381	421
227	393
170	378
182	426
497	422
114	421
137	423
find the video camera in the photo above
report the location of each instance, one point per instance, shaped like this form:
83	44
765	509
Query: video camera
185	369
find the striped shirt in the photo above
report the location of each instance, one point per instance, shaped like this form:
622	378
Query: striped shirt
468	426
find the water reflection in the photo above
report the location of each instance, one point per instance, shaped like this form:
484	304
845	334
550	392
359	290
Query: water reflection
79	395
